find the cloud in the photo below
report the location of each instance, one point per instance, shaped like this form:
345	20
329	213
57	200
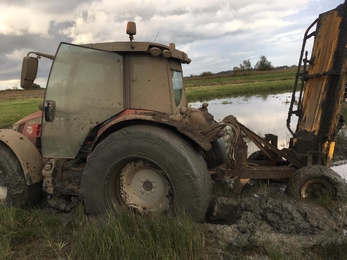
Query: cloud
215	34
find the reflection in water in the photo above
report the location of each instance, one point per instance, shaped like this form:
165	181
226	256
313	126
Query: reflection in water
262	114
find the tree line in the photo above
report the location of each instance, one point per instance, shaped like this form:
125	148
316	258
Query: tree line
262	64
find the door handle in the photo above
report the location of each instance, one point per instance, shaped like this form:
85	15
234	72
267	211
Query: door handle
49	110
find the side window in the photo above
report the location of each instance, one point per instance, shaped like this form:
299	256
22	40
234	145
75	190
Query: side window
177	84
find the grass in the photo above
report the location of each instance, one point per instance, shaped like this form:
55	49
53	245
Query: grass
204	93
236	84
128	236
36	234
16	109
25	230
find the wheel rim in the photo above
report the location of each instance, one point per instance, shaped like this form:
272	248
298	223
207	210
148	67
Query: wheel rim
143	188
317	188
3	188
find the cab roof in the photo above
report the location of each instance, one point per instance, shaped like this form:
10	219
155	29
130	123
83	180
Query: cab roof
149	47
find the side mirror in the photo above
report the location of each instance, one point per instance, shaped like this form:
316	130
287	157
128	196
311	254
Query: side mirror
29	72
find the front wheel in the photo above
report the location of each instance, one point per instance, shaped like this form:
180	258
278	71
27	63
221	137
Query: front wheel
317	182
13	189
147	169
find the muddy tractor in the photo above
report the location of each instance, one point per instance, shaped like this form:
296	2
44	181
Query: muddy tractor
115	130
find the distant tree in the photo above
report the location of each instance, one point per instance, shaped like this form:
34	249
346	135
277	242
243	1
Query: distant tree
236	68
35	86
246	65
206	73
263	64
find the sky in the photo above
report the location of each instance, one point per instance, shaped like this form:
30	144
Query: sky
217	35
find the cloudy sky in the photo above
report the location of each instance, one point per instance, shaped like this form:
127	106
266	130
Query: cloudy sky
217	35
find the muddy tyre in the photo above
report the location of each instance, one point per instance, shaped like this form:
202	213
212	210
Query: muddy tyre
317	181
13	189
217	155
147	169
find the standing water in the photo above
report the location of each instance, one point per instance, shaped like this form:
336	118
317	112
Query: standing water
263	114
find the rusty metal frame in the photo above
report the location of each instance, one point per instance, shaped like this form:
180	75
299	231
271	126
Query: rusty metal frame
298	74
242	170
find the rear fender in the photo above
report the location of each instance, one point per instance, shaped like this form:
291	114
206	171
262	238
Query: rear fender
142	115
27	154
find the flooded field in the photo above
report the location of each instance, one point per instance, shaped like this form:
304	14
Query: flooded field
262	114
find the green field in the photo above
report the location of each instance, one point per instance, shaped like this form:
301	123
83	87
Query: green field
238	84
16	109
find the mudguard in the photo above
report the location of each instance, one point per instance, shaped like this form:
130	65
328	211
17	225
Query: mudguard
27	154
189	130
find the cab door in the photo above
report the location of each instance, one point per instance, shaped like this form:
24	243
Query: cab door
84	89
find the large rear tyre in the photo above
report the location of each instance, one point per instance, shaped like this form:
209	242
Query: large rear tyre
317	182
147	169
13	189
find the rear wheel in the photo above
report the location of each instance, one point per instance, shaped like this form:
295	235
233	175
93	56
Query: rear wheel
147	169
317	182
13	189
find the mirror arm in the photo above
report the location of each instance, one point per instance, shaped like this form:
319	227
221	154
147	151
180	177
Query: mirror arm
41	54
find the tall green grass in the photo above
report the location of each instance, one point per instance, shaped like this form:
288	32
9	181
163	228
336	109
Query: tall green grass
129	236
37	234
26	232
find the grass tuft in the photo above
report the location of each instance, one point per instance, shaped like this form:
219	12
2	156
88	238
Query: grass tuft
129	236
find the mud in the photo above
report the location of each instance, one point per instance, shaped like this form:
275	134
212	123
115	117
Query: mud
251	224
264	216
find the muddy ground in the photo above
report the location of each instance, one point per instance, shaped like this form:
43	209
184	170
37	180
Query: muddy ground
265	223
